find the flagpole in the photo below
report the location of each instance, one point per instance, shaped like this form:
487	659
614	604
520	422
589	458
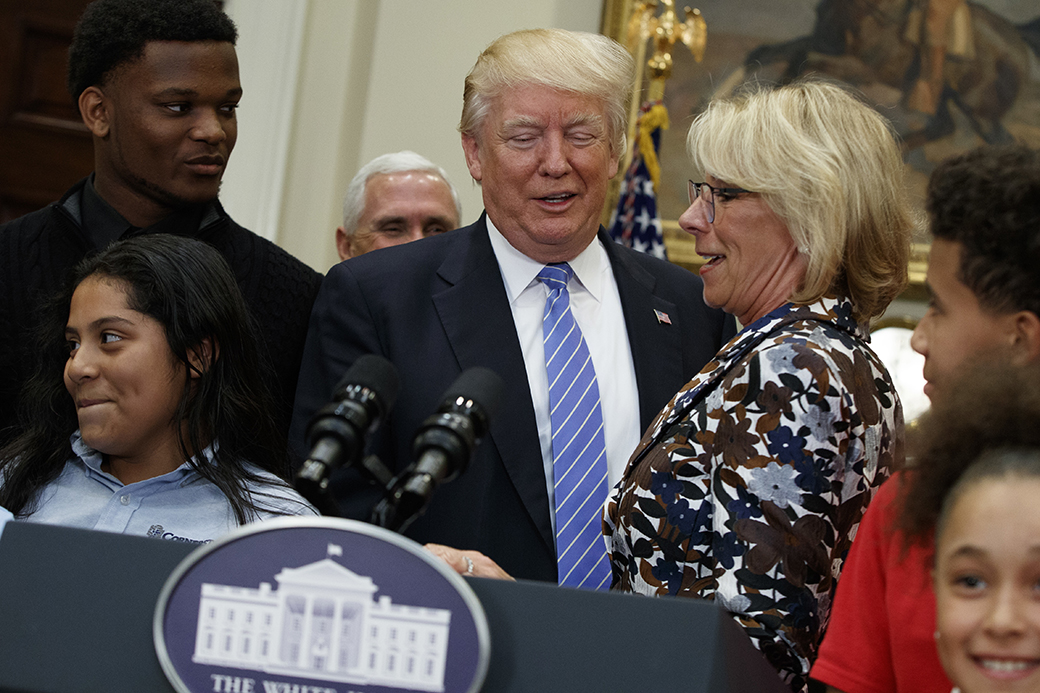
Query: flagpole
665	31
636	222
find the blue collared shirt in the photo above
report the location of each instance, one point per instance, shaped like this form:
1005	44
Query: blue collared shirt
5	516
177	506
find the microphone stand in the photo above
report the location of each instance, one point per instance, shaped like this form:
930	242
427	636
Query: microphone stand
313	483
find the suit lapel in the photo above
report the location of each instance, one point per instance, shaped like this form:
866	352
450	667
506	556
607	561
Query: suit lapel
654	343
478	322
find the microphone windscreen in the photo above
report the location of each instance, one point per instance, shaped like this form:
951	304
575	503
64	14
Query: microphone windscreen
375	373
482	385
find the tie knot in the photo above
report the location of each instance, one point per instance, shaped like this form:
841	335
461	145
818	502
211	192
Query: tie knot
556	276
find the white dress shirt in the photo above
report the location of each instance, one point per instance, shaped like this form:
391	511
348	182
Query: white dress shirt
596	307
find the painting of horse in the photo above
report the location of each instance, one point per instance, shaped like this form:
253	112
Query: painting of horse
988	88
867	42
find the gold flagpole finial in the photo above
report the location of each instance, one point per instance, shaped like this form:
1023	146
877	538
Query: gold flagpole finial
665	31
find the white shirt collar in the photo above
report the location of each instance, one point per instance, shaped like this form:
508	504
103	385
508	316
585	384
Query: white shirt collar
519	271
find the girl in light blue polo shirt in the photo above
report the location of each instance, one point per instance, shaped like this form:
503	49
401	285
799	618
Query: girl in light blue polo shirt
147	414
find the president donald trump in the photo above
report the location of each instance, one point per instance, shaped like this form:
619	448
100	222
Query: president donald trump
591	338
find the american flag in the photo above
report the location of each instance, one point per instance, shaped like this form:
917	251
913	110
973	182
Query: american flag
635	223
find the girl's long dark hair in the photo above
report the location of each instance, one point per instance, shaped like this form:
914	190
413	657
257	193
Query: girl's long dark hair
992	405
189	289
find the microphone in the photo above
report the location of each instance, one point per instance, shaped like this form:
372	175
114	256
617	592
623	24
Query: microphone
336	433
443	446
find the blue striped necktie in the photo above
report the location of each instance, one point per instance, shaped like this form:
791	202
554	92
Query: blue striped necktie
578	445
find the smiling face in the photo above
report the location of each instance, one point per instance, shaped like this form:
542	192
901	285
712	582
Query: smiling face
399	208
164	126
987	587
543	159
956	328
753	263
123	378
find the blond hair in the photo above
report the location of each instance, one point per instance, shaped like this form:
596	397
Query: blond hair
828	165
569	61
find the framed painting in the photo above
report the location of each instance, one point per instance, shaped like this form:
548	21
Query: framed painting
988	83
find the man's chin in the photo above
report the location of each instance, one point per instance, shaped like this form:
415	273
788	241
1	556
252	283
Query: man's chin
177	202
179	199
194	198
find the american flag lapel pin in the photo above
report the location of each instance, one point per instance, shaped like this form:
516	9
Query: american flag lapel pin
662	317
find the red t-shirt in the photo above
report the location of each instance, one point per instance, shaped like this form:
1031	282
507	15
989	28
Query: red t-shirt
880	637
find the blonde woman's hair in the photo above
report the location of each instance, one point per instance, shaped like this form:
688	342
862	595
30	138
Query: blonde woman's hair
570	61
829	167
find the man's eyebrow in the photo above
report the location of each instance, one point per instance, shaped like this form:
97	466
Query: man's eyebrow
584	119
523	122
386	221
930	291
578	120
403	221
439	219
185	92
177	91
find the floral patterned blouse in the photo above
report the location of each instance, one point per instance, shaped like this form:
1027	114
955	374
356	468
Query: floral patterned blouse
749	486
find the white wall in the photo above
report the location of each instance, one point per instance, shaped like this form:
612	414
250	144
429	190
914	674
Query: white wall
330	84
269	45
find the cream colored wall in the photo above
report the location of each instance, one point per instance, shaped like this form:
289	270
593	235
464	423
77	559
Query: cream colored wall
269	47
372	77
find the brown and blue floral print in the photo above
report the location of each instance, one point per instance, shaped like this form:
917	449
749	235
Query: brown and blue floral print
749	486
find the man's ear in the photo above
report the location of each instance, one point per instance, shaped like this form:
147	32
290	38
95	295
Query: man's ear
612	165
94	108
202	357
343	244
472	151
1027	336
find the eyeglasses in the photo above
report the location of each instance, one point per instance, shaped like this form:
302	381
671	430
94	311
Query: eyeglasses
708	193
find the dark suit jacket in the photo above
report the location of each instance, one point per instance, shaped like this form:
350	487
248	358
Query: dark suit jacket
437	307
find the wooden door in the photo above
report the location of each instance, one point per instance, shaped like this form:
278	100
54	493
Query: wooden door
44	146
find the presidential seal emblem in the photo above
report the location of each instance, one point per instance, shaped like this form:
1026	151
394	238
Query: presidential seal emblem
319	605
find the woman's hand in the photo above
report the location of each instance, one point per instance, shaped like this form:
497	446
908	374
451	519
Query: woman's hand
468	563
